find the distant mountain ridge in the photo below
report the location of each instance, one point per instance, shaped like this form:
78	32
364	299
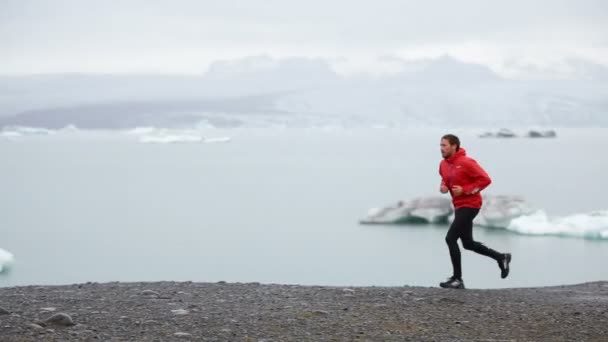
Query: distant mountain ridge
442	91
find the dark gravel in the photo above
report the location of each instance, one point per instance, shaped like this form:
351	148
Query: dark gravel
171	311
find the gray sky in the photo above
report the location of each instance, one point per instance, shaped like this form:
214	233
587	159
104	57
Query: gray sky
184	36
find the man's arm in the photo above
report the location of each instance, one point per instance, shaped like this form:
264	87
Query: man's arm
442	187
480	177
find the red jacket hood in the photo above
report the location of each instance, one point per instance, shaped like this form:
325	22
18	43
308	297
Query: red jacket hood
460	153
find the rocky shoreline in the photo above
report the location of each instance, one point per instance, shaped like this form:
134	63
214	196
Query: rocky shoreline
177	311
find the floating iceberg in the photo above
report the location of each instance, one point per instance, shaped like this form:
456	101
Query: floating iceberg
499	211
170	136
417	210
502	133
507	133
542	134
15	132
510	213
18	132
218	140
592	225
6	261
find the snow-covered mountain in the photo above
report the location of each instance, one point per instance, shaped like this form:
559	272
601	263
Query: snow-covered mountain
442	91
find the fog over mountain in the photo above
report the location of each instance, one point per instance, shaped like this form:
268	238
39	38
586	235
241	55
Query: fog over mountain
441	91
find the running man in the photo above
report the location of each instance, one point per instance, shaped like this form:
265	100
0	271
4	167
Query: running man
464	179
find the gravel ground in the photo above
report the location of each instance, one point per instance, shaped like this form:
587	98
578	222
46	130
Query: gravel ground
177	311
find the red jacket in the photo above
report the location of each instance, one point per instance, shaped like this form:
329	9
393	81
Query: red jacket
464	171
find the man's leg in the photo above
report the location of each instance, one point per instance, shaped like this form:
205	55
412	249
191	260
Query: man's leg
451	238
466	236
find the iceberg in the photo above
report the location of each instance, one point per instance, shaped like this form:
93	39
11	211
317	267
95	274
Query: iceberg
542	134
511	213
593	225
498	211
6	260
418	210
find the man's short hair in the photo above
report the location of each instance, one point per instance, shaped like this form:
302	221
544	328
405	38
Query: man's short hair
453	140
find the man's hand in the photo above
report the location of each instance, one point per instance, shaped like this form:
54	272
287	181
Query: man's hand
457	190
443	188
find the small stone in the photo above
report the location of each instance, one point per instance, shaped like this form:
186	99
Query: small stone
3	311
150	293
48	309
50	330
180	312
221	282
150	322
60	319
35	327
348	290
320	312
182	334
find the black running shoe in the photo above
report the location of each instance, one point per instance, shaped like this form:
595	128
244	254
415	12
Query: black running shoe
504	265
452	283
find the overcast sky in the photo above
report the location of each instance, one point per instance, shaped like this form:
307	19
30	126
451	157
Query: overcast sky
184	36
